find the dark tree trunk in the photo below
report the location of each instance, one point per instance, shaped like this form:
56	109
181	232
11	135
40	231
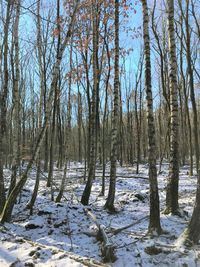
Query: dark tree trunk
3	104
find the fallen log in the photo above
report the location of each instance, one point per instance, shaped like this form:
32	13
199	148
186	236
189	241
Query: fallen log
84	260
108	247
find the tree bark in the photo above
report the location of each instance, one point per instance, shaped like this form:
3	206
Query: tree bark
173	178
111	194
3	103
154	221
16	100
191	83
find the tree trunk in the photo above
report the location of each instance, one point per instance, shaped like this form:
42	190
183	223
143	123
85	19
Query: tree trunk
68	132
55	104
92	120
154	222
191	82
79	126
186	102
173	179
191	235
31	203
16	101
111	194
3	104
105	114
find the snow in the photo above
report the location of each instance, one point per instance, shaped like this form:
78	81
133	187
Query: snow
57	229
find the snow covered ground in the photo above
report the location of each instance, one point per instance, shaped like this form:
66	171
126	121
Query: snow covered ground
56	234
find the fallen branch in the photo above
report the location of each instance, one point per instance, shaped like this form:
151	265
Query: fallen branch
107	246
118	230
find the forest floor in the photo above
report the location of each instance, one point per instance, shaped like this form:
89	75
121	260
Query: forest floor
59	234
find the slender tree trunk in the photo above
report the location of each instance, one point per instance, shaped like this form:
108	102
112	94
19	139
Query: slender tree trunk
68	132
129	149
120	129
154	222
191	82
137	116
115	117
31	203
55	105
173	179
3	104
60	137
16	101
104	117
79	127
92	120
183	143
186	103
